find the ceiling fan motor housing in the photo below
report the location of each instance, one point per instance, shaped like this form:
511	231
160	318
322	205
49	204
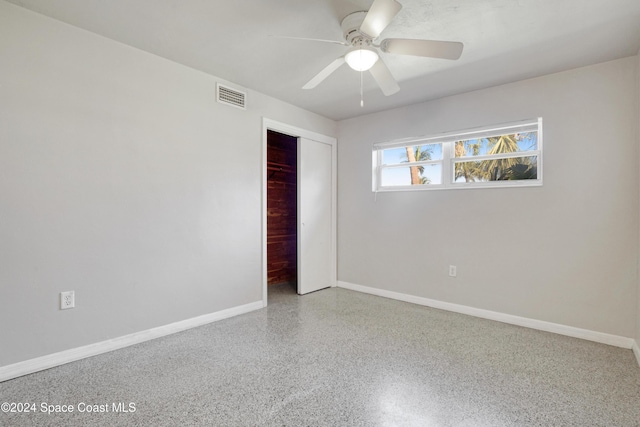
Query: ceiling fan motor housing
351	30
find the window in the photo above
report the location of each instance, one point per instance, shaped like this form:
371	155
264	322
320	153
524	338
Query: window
496	156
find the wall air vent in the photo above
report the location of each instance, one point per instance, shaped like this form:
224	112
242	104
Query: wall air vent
229	96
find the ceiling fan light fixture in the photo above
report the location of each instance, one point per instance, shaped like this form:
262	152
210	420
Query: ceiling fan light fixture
361	59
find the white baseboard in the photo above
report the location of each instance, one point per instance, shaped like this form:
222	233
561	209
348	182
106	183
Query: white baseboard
541	325
636	351
45	362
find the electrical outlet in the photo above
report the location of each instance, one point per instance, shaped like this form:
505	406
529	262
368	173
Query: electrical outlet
453	270
67	300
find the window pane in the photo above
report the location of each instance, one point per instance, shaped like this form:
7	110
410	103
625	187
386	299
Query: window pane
510	169
501	144
483	157
416	153
416	175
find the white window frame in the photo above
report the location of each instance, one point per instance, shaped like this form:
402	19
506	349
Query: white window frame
449	160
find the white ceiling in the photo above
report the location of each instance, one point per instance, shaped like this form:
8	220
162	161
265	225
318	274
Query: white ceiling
505	41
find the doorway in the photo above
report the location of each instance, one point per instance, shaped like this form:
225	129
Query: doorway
298	209
282	190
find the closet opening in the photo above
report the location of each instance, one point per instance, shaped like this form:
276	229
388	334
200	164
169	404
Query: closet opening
282	234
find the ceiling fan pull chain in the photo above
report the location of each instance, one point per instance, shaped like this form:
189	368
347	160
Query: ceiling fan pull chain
361	91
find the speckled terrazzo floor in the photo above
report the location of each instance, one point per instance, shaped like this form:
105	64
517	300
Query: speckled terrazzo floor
341	358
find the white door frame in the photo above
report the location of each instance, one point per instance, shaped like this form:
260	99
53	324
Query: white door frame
268	124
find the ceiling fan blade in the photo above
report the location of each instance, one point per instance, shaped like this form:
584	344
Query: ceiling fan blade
383	77
379	16
326	72
427	48
313	40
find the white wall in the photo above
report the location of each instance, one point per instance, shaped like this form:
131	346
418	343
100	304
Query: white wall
565	252
122	179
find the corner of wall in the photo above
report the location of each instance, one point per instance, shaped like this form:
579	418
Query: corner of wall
636	347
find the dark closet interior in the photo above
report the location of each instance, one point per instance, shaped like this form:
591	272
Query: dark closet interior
281	209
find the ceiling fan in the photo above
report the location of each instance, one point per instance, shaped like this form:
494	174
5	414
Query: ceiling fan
361	29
